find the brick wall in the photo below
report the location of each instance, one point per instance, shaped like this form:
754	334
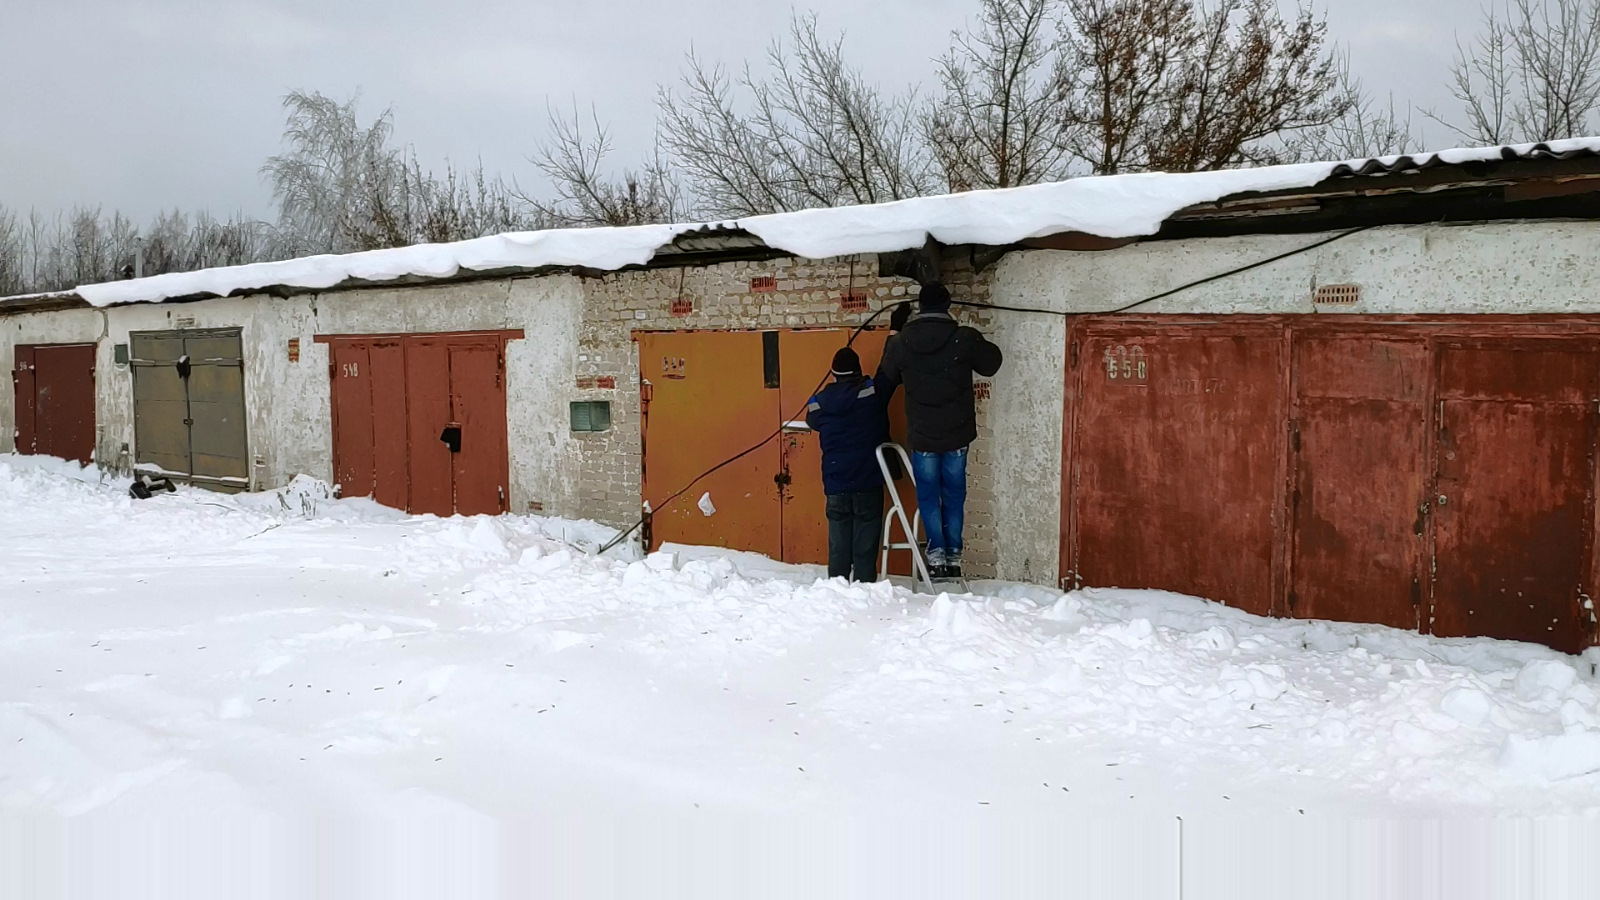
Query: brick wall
789	293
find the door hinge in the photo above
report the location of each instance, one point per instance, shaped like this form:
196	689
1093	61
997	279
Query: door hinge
502	491
1074	346
1416	592
1294	435
1294	601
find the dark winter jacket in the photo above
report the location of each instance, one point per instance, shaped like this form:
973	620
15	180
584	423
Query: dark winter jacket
935	358
851	416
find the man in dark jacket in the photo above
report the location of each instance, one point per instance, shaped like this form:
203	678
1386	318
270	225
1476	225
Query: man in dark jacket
935	359
851	417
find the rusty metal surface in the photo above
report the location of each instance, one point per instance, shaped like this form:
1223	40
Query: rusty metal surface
353	469
1358	449
390	455
478	404
1436	473
1513	515
55	396
1179	435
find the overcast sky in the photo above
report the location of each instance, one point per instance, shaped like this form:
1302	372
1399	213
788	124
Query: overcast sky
146	104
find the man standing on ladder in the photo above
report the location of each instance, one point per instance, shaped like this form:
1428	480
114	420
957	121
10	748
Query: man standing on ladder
851	418
934	358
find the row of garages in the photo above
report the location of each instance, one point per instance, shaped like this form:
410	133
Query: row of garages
1415	448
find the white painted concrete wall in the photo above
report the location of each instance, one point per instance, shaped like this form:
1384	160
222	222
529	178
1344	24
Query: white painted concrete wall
1524	268
288	403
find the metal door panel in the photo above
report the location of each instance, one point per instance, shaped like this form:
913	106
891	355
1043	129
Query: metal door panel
160	405
1513	515
478	404
805	358
65	399
22	382
427	415
218	441
392	480
353	467
1358	488
709	401
1177	460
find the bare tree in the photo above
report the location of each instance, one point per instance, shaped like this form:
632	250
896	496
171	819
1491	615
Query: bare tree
13	259
1533	74
997	122
341	186
1180	85
1367	128
585	196
815	134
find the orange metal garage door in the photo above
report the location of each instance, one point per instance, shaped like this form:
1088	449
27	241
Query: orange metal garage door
711	395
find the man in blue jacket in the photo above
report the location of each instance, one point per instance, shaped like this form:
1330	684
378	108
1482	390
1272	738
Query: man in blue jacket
851	417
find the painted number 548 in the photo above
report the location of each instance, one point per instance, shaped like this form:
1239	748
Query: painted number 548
352	370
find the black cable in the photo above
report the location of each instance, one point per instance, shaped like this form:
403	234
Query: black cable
1018	309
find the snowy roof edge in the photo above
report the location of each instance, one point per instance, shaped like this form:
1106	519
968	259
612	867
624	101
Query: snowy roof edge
1109	206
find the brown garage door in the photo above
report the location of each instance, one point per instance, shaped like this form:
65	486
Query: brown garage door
394	399
188	406
54	389
1514	511
1426	473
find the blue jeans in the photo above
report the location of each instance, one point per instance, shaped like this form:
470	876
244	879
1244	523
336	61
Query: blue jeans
942	499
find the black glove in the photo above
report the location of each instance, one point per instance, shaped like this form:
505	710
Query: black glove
901	314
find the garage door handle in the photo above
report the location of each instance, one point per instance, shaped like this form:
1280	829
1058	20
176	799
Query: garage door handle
452	437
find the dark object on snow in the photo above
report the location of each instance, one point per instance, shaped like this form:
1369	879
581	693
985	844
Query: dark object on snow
452	437
146	486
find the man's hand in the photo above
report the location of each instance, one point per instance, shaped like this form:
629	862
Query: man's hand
898	318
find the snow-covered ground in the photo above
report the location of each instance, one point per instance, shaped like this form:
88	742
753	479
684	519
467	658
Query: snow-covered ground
284	658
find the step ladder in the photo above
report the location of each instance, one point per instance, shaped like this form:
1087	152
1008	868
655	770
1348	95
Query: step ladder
920	579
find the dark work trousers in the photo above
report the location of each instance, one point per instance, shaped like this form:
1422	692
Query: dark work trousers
855	526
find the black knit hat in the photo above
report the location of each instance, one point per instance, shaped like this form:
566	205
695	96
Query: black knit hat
935	297
846	362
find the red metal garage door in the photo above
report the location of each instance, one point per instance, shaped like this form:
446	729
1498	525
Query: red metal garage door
54	391
1176	475
1432	473
1358	440
395	395
1515	507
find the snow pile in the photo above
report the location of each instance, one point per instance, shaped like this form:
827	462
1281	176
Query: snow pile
288	650
1115	206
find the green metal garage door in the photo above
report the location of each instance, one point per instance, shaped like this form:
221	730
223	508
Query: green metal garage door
188	406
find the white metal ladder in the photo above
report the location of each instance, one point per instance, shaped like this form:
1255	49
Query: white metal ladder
910	527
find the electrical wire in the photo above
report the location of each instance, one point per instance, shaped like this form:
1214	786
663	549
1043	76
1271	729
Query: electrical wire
998	307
